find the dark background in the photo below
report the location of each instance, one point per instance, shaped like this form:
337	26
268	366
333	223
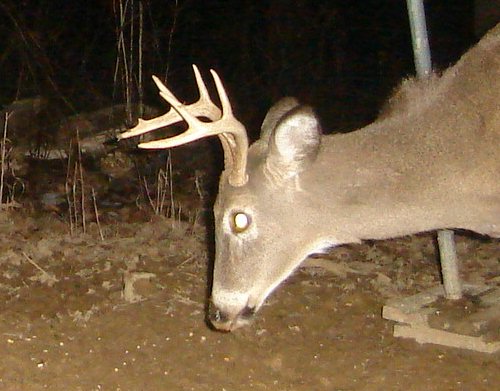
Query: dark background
343	57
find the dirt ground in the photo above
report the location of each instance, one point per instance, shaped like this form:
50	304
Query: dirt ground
69	322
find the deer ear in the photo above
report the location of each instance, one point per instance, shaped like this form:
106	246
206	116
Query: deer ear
294	143
275	113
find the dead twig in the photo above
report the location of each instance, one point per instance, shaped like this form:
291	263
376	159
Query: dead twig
72	218
82	184
75	189
2	157
50	278
96	212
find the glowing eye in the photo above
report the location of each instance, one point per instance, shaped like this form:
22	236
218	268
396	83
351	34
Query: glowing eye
241	221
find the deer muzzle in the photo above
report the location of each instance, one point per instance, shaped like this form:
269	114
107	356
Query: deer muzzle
229	318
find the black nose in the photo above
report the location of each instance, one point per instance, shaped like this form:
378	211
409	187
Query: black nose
215	315
225	321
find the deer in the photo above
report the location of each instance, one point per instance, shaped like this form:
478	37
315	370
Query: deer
430	161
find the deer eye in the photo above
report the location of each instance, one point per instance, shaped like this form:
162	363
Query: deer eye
240	221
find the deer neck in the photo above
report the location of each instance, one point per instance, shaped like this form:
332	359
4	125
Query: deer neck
374	187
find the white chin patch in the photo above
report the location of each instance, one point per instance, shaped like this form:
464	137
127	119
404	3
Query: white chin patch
229	299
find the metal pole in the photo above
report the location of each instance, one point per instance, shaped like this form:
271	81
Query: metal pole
419	39
422	55
449	265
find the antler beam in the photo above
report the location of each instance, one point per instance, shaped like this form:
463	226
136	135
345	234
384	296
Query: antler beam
223	124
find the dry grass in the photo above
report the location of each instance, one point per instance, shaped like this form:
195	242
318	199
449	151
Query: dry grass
7	192
76	195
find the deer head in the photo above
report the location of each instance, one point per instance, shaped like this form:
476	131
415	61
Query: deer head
432	161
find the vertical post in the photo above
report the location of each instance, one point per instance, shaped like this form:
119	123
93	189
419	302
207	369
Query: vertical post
449	265
422	55
419	39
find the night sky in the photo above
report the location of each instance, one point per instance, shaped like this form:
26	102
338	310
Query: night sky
343	57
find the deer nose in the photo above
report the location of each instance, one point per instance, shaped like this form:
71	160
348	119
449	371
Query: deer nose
224	320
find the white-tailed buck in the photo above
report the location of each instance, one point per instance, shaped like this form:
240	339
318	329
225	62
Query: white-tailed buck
431	161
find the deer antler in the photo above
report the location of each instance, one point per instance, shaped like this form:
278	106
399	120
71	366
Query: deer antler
223	124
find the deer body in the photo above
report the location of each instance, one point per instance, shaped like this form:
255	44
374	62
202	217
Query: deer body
431	161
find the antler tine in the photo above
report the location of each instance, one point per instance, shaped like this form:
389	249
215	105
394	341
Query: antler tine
204	107
145	126
227	110
202	88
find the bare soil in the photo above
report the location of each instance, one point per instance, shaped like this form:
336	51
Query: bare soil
67	323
